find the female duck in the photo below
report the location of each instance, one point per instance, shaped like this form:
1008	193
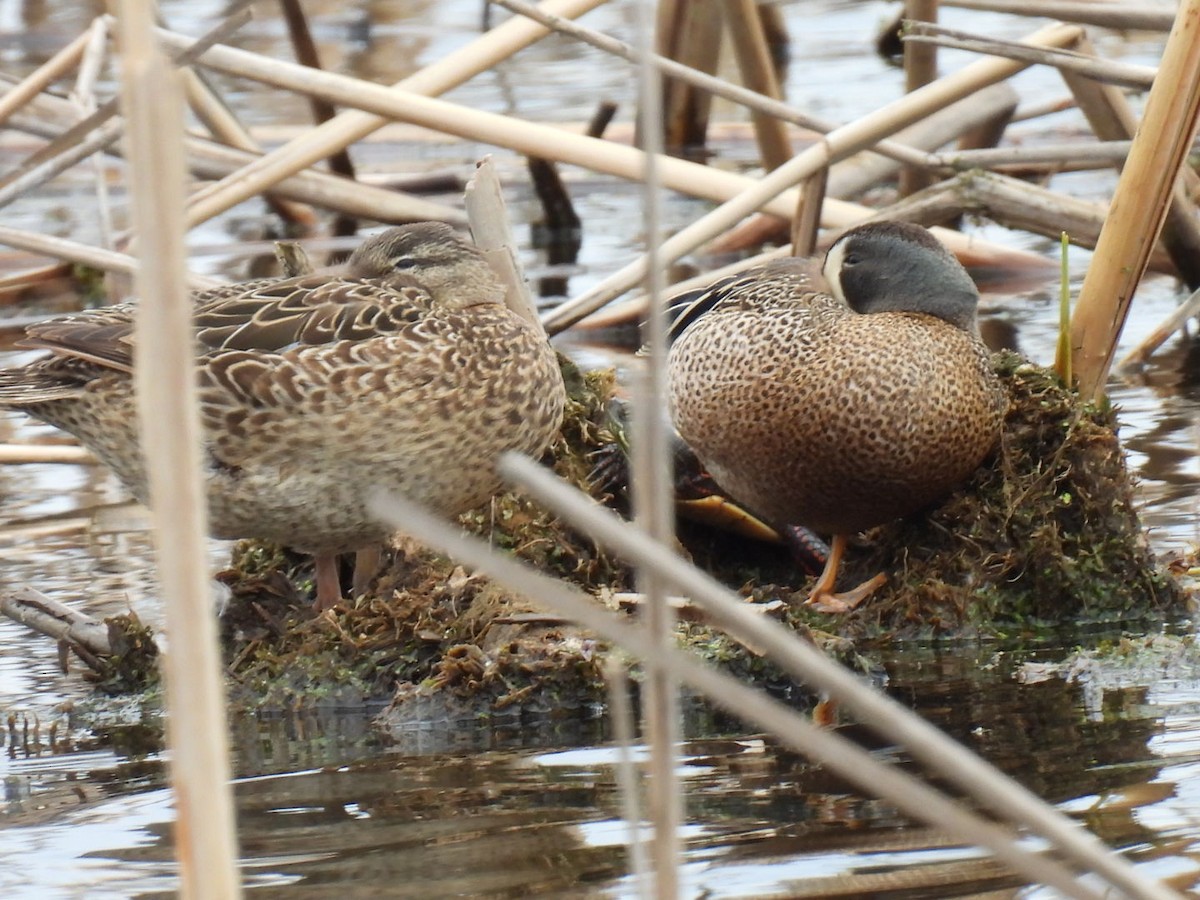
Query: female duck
405	373
838	411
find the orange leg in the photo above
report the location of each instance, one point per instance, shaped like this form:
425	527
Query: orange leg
329	587
823	599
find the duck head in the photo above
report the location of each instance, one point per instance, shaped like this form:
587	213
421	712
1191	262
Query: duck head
900	267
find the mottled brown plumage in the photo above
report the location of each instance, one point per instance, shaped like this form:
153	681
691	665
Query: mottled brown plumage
406	373
838	411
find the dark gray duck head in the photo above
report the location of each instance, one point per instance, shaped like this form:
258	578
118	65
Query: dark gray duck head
900	267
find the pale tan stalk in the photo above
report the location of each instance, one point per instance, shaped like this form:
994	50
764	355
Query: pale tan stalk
197	731
12	454
72	251
1139	204
745	30
920	69
1085	12
767	192
342	131
43	76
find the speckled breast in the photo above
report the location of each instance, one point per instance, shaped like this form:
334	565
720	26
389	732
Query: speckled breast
822	417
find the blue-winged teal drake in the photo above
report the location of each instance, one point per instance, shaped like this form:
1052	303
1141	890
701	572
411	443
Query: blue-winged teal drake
406	372
839	410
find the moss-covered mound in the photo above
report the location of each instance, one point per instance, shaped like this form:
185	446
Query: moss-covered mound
1045	535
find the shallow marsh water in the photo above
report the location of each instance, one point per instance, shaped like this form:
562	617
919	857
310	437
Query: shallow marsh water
522	808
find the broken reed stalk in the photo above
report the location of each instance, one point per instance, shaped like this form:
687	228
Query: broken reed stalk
23	454
688	31
448	72
493	235
1139	204
105	260
1074	154
1088	12
1118	74
745	29
45	615
920	69
197	730
756	707
802	660
767	192
652	487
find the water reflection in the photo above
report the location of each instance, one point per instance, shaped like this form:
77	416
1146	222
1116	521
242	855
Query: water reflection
320	802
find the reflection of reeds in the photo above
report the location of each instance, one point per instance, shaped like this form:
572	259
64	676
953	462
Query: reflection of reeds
156	147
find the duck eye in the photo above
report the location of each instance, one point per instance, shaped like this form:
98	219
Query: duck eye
403	262
851	259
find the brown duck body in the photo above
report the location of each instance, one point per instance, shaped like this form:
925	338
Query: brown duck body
405	374
838	410
811	413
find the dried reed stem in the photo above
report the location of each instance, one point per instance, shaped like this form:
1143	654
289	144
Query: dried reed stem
746	33
493	235
653	489
1108	15
1120	74
1139	204
44	76
1074	154
72	251
621	716
920	69
197	731
12	454
767	192
329	137
1137	357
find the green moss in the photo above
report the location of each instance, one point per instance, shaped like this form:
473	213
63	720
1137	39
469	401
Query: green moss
133	665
